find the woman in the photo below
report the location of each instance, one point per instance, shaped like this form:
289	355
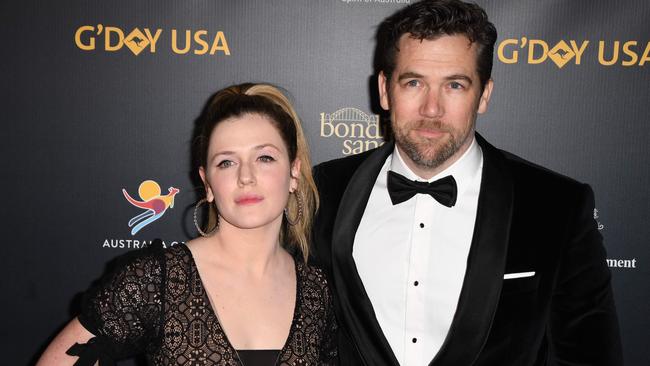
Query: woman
235	295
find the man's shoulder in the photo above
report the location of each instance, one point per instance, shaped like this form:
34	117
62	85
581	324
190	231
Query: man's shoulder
339	170
523	168
532	179
350	162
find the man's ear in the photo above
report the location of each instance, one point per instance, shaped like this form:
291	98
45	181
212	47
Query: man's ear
382	83
485	97
209	195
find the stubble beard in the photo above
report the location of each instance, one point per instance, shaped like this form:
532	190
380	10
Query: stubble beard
428	153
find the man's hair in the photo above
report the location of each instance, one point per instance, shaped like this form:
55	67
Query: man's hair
430	19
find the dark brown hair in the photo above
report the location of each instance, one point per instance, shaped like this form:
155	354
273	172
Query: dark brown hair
430	19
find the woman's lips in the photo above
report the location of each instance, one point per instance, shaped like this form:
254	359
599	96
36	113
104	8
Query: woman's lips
248	200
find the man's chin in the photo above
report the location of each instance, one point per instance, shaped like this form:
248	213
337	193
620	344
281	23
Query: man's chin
432	156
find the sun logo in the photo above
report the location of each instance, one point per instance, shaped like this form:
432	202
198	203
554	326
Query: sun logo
152	201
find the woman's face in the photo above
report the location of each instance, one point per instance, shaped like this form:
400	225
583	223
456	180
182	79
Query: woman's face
248	173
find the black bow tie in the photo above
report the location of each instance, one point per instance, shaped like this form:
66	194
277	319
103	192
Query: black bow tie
402	189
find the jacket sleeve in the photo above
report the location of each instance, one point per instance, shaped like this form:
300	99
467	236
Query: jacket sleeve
584	327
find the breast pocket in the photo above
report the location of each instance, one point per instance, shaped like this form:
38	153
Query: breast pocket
520	285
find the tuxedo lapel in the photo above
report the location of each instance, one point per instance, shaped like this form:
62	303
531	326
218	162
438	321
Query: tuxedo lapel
355	304
485	265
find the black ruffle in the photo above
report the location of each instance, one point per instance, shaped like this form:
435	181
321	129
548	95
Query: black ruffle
91	352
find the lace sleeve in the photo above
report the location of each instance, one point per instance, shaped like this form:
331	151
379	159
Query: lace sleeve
124	310
329	352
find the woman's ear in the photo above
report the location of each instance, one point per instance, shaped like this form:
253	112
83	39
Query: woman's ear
208	191
295	175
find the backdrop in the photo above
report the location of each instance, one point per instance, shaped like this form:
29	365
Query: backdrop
99	101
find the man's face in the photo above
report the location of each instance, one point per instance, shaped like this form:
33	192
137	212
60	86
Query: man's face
433	96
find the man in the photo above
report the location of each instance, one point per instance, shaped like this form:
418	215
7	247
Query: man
498	262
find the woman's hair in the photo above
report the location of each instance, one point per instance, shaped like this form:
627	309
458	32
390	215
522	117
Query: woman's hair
268	101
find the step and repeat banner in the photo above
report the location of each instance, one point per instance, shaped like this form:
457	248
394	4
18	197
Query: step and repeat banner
99	101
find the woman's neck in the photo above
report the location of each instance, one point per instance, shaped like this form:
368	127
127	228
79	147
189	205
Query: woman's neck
250	251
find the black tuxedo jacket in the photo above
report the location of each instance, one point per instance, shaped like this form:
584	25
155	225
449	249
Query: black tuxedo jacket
528	219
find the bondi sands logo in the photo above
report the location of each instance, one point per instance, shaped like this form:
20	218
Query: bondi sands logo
357	130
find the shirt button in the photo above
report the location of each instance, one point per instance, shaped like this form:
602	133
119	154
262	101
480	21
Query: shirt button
414	340
421	225
416	283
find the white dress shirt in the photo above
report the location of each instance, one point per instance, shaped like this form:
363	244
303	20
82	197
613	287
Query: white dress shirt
412	257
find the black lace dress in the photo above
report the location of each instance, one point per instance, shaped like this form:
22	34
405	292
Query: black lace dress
155	303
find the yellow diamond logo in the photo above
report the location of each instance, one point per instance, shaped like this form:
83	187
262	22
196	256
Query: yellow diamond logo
561	54
136	41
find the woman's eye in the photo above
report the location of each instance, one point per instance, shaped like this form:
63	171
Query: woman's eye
225	164
266	158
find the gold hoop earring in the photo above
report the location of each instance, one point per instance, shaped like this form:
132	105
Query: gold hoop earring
298	215
196	221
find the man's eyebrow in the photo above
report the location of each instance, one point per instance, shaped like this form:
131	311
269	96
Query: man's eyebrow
415	75
459	77
409	75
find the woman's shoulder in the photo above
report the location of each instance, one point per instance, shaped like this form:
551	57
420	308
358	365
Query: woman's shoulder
315	296
312	274
179	252
151	261
144	262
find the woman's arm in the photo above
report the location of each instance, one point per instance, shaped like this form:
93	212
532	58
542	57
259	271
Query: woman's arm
55	354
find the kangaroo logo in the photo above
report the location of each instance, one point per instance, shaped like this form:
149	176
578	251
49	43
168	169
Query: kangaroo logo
137	40
561	52
152	201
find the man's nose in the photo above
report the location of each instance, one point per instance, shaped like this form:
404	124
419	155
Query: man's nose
432	104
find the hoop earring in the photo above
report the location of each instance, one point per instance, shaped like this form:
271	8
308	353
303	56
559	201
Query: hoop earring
196	221
299	215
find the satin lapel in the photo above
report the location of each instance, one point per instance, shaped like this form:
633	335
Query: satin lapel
485	265
355	304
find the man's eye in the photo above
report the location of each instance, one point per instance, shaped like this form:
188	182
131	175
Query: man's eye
266	158
225	164
412	83
456	85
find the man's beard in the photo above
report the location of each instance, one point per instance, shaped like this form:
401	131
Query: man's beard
428	153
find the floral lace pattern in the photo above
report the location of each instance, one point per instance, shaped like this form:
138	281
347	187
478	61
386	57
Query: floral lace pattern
155	303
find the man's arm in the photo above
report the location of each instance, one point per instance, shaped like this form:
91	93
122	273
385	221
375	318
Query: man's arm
584	326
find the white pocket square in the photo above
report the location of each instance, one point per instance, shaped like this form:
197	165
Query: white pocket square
509	276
